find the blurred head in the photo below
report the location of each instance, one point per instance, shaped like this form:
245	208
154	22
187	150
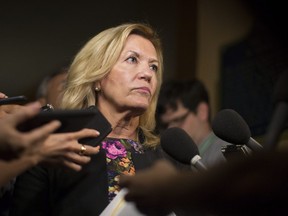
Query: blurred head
122	59
51	88
184	104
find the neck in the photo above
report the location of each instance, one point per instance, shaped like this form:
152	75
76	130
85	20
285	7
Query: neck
202	134
124	129
123	126
124	122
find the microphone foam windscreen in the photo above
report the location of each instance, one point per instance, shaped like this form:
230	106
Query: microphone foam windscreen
229	126
178	144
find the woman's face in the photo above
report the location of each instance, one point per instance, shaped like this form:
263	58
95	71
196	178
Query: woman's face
132	82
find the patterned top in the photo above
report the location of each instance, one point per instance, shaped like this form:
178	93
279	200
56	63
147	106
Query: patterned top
119	161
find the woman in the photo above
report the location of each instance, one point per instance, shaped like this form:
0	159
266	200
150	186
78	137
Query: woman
118	71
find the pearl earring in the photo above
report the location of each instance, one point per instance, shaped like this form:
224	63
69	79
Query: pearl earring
97	89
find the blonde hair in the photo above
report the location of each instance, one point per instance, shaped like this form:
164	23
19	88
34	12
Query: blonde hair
96	59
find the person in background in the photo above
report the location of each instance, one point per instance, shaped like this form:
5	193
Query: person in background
118	72
51	88
185	104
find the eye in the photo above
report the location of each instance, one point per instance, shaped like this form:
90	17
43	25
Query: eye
131	59
154	67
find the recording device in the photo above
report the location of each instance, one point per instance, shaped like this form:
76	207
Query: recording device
230	152
229	126
71	121
47	107
280	114
13	100
179	145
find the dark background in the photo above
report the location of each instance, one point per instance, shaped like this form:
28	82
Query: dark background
38	37
251	67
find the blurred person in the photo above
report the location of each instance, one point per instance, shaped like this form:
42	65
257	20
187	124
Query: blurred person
240	187
119	71
20	151
185	104
51	88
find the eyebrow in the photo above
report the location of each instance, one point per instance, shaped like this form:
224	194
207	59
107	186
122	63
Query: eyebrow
138	55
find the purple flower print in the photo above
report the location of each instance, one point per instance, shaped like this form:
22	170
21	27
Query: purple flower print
114	149
137	147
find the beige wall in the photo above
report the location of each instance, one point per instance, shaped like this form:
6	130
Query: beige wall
219	23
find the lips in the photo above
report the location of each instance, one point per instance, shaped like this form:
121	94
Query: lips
144	90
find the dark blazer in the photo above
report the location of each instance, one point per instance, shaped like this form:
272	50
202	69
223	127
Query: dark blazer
51	191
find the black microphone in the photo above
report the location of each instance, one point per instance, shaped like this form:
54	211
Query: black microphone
180	146
229	126
280	113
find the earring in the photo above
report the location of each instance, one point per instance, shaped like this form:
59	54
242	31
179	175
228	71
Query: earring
97	89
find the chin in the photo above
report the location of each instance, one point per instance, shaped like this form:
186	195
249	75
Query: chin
140	108
139	105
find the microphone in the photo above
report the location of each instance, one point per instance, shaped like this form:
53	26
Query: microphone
280	113
179	145
229	126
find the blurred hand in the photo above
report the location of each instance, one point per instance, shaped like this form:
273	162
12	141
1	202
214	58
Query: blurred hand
7	109
151	187
64	148
2	95
13	142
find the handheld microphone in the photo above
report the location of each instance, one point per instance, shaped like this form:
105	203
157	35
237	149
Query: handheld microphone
280	113
229	126
179	145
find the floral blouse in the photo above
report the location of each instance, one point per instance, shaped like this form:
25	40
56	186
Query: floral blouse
119	161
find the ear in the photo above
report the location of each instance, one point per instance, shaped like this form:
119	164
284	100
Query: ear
203	111
97	86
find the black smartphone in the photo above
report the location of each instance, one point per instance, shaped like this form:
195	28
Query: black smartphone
21	99
71	121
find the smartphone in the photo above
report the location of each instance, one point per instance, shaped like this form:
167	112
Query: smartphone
13	100
71	121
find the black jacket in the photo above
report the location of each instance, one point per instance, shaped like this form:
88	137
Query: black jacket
55	191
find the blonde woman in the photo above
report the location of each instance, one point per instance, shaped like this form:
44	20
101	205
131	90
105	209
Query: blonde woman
119	71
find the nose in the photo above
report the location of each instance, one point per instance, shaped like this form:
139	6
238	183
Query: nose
146	73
